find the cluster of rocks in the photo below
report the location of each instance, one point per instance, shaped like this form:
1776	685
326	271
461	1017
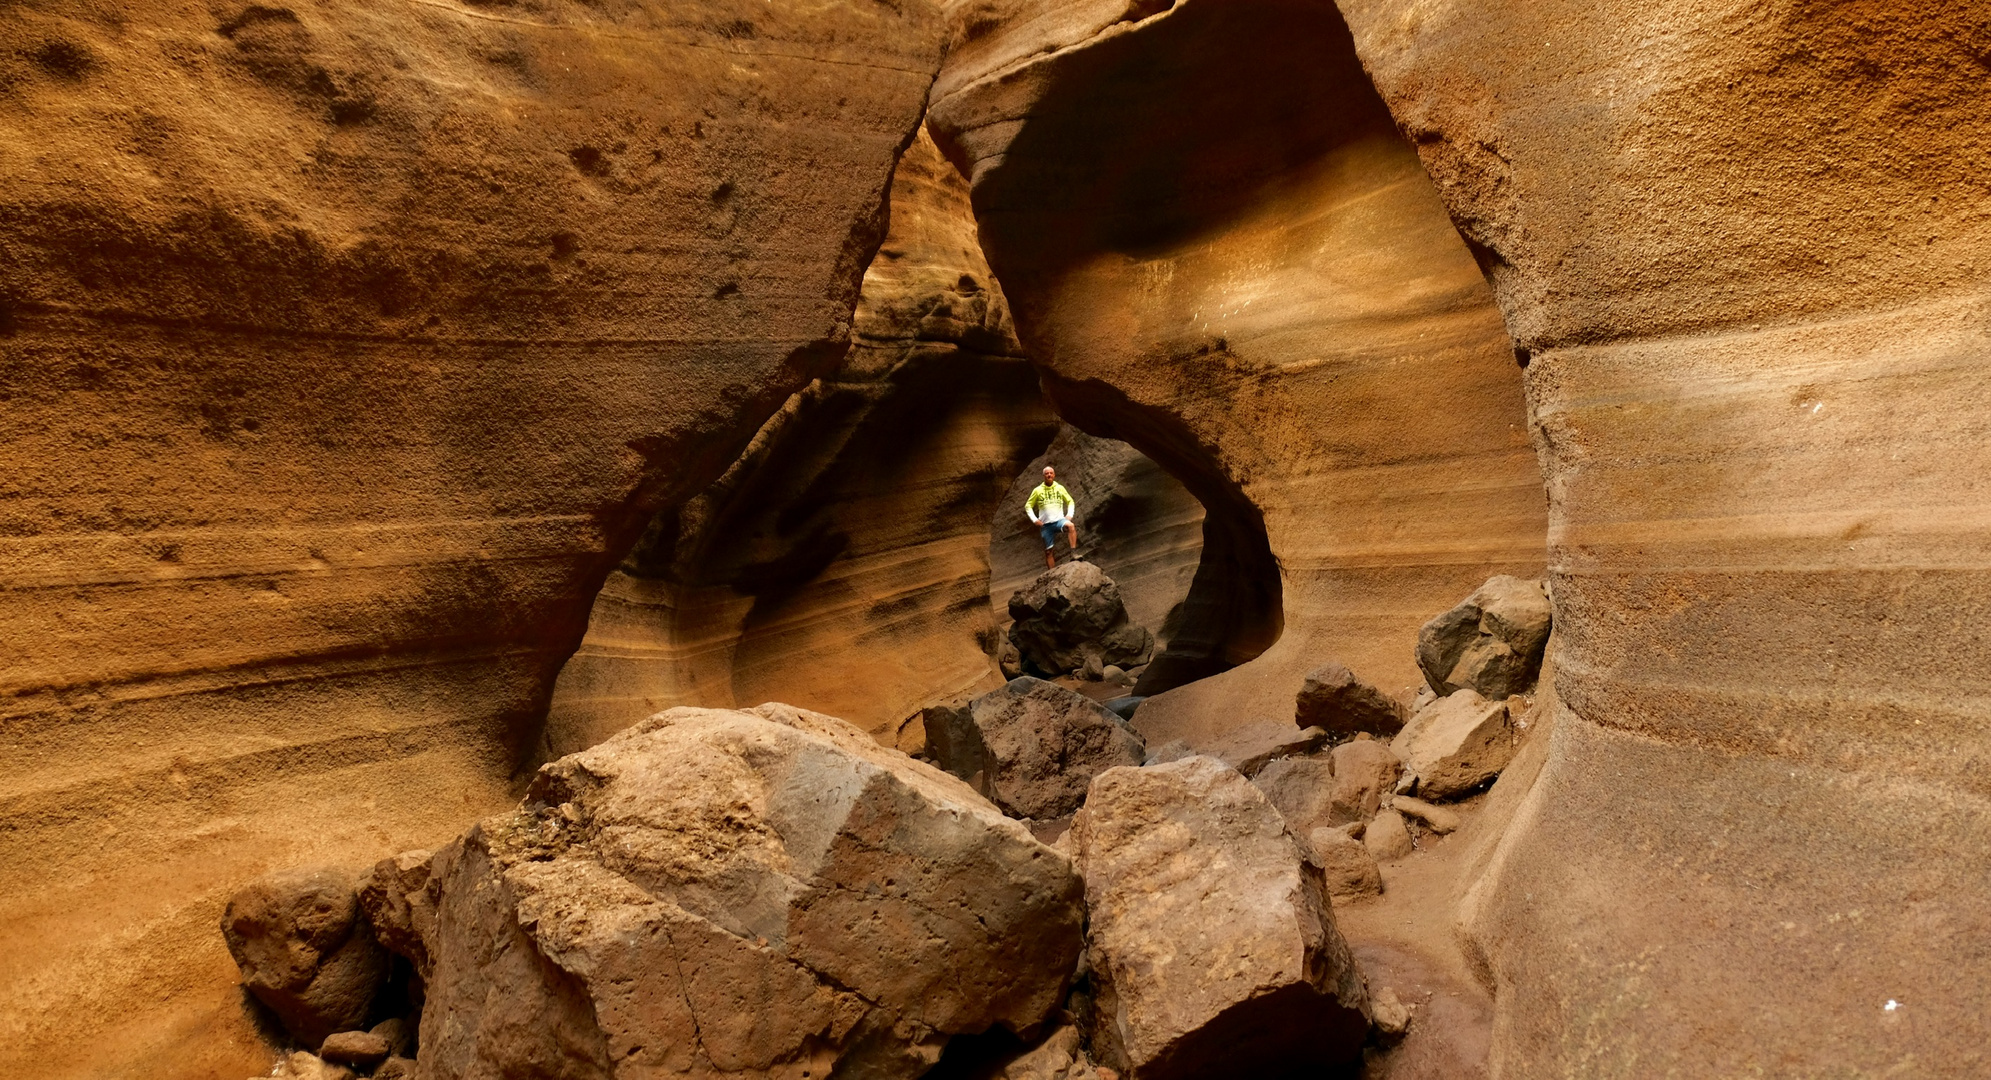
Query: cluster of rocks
1071	620
770	892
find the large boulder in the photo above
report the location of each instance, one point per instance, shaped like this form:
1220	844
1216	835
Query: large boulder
1333	699
1492	642
717	893
1031	746
1213	949
1072	613
1456	744
305	950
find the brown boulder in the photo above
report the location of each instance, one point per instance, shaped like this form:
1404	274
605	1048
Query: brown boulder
1072	614
398	896
1456	744
715	893
1364	771
1301	789
1333	699
304	950
1387	837
1213	949
1250	747
1492	642
1031	746
363	1049
1347	864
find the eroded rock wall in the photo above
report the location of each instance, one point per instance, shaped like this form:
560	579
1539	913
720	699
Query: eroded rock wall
842	563
1219	249
1746	249
345	347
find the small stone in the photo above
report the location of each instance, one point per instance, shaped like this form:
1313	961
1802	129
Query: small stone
395	1068
1092	670
1388	838
1391	1014
1333	699
1456	745
1009	660
1173	750
1439	819
1117	675
307	1066
360	1048
1349	866
1123	707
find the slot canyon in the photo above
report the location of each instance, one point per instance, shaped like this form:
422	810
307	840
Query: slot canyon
524	539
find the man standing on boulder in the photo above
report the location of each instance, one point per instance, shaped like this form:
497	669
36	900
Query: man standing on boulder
1051	509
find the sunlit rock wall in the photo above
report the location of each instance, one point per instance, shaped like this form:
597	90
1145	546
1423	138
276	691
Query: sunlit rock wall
1220	249
1747	249
842	564
345	347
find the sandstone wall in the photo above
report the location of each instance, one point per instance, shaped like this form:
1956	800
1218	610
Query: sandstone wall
1746	248
842	564
345	347
1220	250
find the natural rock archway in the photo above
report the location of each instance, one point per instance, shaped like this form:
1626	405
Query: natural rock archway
1219	249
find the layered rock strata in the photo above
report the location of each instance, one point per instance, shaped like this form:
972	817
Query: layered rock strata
842	562
717	893
346	348
1745	253
1219	249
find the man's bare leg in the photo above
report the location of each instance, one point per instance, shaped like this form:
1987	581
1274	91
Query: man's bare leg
1050	560
1071	537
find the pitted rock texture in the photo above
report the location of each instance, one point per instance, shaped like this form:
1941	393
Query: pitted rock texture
852	535
1071	619
347	346
1491	643
1749	271
1137	523
398	896
1212	947
305	950
717	893
1219	249
1031	746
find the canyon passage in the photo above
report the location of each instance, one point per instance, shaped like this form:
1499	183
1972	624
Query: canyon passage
517	558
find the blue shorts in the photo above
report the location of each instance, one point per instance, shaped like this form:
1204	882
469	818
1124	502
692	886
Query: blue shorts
1051	530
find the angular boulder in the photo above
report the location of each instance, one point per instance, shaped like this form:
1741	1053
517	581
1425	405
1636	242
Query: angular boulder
305	950
1213	948
1456	744
1492	642
1030	746
398	896
1387	837
1254	745
1364	771
1301	789
1347	864
1333	699
722	893
1071	615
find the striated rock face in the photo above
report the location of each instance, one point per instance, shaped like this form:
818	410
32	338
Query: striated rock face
1212	947
346	347
1748	267
716	893
1137	523
1219	249
842	562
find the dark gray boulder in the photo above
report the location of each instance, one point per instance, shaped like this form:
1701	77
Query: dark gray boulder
1032	746
1491	643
